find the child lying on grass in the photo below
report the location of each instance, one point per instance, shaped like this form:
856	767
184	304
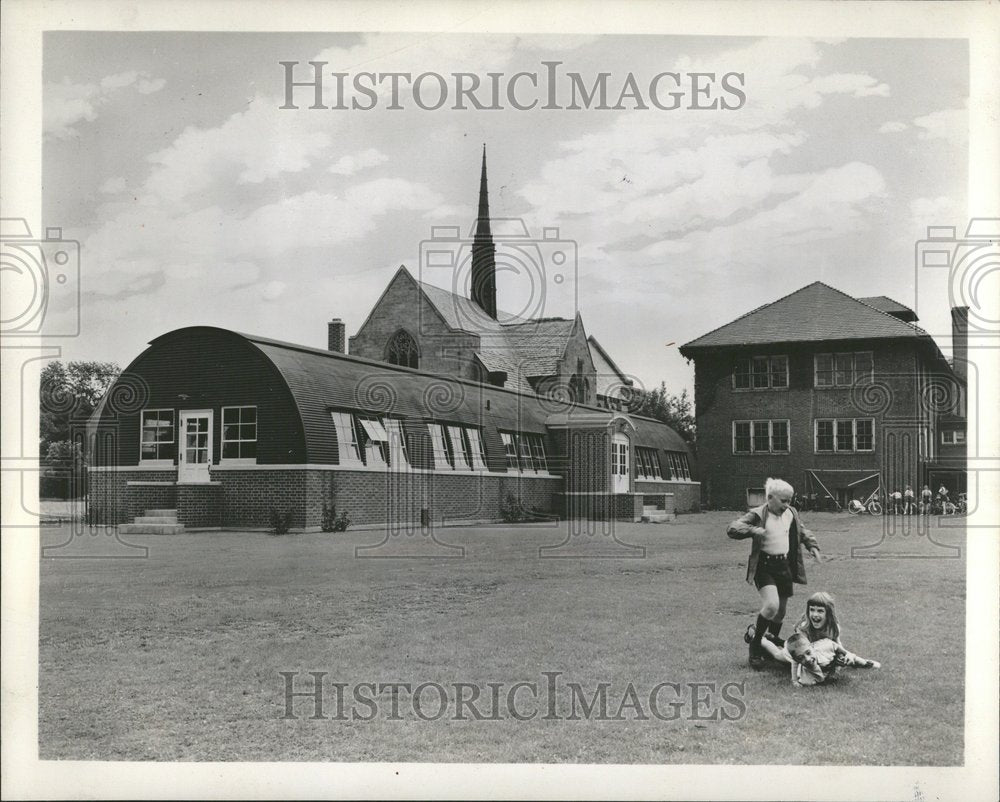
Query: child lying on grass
814	650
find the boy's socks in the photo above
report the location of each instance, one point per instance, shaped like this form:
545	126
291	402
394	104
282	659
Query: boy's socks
762	625
773	628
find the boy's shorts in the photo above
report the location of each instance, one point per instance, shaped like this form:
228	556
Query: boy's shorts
774	570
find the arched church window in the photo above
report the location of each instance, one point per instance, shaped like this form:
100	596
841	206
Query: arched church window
402	350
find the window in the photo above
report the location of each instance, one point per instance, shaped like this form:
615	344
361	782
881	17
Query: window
443	461
398	455
824	435
741	437
845	435
402	350
367	439
239	433
952	437
848	435
524	451
537	445
158	441
460	450
647	464
510	449
760	436
779	435
864	434
476	449
678	463
373	438
761	373
843	370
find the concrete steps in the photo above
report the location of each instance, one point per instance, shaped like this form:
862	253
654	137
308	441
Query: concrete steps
654	515
154	522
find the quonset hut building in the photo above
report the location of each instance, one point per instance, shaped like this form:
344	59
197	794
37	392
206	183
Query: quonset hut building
446	408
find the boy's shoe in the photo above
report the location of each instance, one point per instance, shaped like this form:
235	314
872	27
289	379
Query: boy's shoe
757	657
748	635
779	642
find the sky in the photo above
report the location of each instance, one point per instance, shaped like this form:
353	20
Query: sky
197	200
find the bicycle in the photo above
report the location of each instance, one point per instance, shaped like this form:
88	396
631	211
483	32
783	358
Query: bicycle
871	505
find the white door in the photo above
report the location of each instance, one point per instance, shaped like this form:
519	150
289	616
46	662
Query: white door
196	446
620	464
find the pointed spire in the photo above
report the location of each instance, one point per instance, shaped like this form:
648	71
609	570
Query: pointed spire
483	220
484	282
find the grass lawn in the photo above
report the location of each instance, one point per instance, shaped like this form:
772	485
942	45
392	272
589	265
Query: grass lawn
177	656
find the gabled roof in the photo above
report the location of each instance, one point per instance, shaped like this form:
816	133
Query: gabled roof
894	308
815	313
609	375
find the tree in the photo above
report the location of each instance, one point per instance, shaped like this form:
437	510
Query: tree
70	393
673	410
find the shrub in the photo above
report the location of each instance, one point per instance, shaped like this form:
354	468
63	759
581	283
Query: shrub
329	520
511	510
281	522
342	522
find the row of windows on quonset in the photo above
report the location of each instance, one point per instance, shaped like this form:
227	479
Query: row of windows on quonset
374	440
830	435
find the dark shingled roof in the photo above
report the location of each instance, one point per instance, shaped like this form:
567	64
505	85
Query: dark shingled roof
894	308
815	313
522	347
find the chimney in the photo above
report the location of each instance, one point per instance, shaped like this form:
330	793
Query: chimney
484	279
960	341
336	335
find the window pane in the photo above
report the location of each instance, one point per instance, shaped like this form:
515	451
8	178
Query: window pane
959	437
230	451
843	374
779	435
845	435
760	371
441	461
863	366
761	438
509	449
741	438
779	371
478	452
865	435
741	374
824	435
230	415
824	370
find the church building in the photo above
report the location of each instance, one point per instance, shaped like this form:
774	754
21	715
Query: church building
440	408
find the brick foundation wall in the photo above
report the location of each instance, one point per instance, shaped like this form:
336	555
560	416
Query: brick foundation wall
365	495
111	500
200	505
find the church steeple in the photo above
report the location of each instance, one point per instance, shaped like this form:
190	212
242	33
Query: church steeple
484	282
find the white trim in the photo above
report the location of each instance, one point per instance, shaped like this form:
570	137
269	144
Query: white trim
222	434
189	414
171	468
149	484
175	425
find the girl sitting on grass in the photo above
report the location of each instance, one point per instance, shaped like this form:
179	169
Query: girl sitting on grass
814	650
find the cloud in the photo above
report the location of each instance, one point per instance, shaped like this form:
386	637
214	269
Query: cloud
892	127
351	164
113	186
67	104
951	125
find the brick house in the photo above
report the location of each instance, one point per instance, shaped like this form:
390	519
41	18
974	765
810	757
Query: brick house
835	394
445	408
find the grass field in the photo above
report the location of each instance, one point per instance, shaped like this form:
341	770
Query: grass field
177	656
